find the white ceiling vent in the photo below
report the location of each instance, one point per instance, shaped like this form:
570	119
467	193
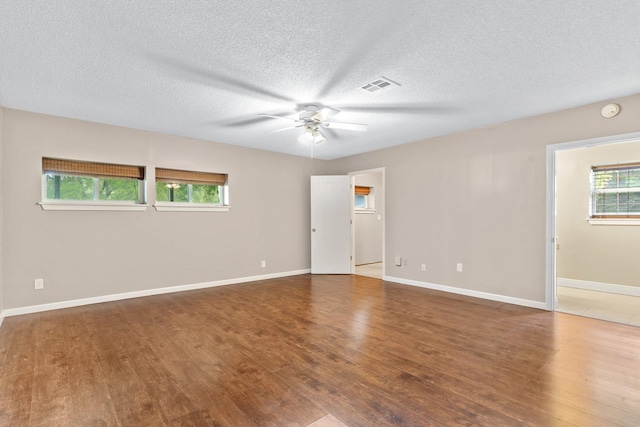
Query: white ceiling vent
379	85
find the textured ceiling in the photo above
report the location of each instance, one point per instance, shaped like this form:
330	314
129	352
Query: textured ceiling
206	69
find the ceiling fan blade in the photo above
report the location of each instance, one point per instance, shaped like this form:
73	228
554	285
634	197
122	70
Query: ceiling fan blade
212	78
345	126
287	128
248	120
279	117
324	114
419	108
329	133
241	123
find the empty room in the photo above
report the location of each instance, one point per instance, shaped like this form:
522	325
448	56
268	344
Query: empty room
319	214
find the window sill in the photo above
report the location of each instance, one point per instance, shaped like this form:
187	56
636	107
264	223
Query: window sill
614	221
189	207
77	206
364	211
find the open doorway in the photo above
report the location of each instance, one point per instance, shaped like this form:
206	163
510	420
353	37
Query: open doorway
367	232
597	229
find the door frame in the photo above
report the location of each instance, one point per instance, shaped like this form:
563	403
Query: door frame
550	293
352	176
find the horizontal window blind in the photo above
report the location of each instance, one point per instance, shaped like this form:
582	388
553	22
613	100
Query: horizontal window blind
362	191
190	177
91	169
621	166
615	191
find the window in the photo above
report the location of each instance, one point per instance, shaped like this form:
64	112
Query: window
360	201
190	189
71	182
615	191
363	199
188	193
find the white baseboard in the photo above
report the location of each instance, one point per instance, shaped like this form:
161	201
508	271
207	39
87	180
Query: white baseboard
599	286
1	317
468	292
145	293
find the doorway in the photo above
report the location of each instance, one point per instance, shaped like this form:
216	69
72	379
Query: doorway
367	218
593	241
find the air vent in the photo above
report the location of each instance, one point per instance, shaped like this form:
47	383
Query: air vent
379	85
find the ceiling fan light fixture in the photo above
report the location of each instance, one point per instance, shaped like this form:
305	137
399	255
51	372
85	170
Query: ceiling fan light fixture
312	119
307	136
318	138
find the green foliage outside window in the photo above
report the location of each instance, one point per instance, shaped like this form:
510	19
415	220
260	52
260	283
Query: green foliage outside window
71	187
200	193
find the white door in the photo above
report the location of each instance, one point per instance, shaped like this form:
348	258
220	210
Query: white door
331	224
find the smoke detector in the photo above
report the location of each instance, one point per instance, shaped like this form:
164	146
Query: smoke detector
610	110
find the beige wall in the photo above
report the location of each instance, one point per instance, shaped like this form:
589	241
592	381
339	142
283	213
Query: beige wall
595	253
88	254
479	198
368	228
476	197
1	211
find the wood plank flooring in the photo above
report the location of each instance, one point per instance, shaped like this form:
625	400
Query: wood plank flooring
316	350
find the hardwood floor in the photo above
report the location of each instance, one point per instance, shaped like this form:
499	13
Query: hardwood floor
316	349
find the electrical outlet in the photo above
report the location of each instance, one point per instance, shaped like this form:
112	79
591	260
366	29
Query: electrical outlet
459	267
404	261
424	267
39	283
264	264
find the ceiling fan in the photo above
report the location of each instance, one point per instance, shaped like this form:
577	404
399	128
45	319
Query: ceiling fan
313	119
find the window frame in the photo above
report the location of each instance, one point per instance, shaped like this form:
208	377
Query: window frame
95	204
608	218
223	193
368	193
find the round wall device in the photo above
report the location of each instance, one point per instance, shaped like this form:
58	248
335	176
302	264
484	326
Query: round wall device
610	110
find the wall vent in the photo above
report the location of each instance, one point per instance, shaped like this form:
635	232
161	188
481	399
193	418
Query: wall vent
381	84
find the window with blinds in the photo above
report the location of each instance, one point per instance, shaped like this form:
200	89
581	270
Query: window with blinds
363	198
74	180
180	186
615	191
